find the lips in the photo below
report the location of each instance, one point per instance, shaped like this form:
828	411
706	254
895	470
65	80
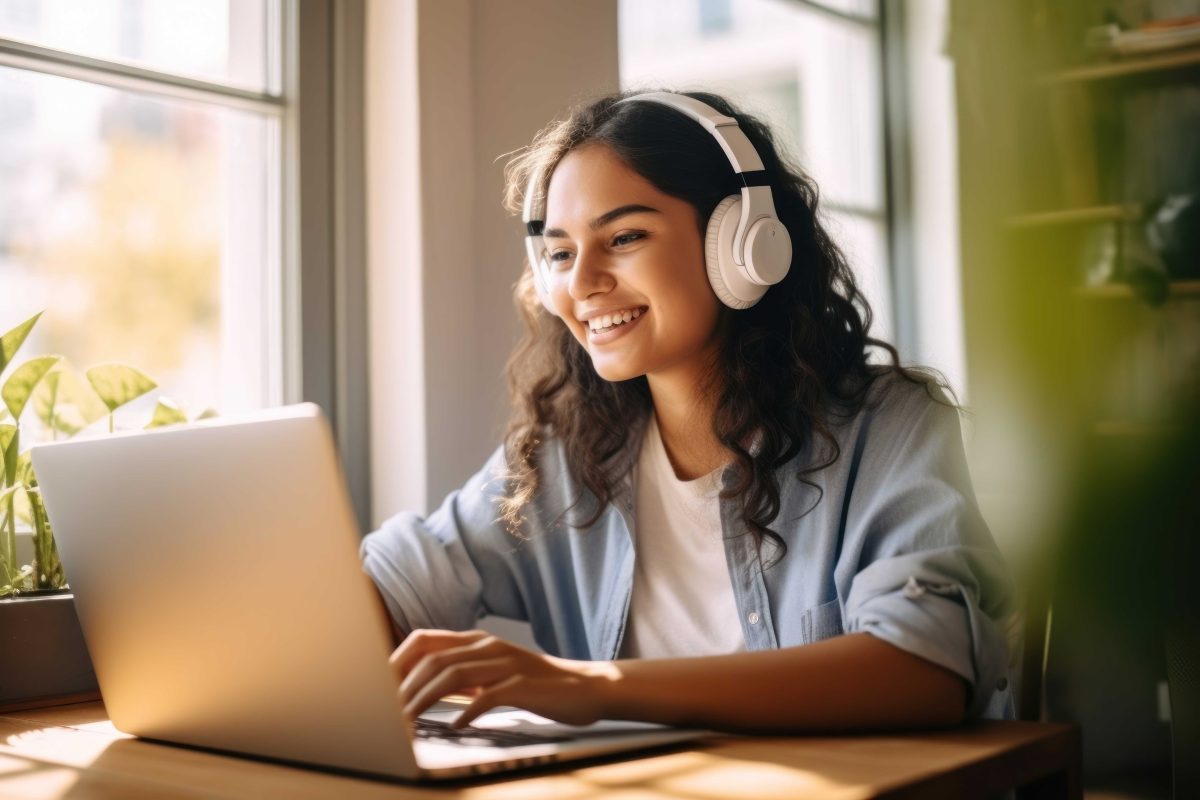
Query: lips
601	322
615	331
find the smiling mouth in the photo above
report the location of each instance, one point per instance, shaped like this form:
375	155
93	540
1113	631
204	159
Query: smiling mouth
609	322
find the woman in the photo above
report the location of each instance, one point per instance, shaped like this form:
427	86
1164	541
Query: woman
712	510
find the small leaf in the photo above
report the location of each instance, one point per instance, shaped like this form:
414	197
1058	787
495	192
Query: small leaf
167	412
64	395
8	432
25	470
69	419
11	341
23	380
118	384
45	397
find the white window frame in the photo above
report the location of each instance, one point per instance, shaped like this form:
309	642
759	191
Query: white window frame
317	99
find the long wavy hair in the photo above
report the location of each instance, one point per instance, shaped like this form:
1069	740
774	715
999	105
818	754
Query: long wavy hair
786	365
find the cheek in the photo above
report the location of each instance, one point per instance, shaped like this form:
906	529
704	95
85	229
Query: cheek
689	307
560	299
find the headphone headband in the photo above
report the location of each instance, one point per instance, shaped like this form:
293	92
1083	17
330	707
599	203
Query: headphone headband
741	154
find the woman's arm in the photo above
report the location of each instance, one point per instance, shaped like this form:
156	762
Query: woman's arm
397	633
850	682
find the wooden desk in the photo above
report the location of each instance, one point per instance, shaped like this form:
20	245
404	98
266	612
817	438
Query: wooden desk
73	751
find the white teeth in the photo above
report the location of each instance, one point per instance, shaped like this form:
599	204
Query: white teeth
602	323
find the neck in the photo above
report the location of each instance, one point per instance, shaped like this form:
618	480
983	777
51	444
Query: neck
684	411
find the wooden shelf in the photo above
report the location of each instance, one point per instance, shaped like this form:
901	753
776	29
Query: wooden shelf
1074	216
1121	291
1179	59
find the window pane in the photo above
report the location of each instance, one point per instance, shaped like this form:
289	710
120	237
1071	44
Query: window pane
864	242
225	41
814	76
859	8
148	230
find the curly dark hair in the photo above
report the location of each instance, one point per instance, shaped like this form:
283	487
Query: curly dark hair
787	365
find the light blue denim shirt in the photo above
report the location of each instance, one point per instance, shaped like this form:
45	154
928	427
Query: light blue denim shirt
892	544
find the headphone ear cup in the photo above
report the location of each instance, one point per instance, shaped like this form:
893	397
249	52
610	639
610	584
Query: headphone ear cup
536	252
727	279
543	291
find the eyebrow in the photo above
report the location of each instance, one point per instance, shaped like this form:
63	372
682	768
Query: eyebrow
602	220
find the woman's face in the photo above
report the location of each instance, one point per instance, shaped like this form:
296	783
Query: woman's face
619	249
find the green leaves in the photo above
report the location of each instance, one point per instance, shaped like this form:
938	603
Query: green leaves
21	383
118	384
11	341
8	433
25	469
167	412
5	497
65	403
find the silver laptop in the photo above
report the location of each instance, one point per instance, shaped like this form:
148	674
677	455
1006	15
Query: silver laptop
216	574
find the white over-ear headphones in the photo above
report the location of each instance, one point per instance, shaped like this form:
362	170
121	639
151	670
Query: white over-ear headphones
746	247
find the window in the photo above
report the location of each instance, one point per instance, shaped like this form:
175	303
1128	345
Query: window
812	70
141	191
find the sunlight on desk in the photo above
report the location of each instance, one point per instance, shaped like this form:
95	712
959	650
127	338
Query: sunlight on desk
66	746
20	777
693	775
714	776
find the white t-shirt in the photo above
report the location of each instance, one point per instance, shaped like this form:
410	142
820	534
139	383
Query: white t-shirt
682	603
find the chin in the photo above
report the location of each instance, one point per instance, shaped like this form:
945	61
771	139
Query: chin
616	372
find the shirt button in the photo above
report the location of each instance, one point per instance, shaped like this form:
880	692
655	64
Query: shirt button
753	617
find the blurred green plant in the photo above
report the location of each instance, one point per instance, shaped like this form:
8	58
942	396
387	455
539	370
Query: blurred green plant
64	405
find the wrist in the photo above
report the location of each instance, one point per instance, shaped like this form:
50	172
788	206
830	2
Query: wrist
606	684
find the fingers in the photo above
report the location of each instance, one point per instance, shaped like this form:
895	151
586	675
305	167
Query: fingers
433	664
457	677
502	694
421	643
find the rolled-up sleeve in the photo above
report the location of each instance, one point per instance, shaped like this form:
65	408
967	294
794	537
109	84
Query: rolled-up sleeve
923	572
432	571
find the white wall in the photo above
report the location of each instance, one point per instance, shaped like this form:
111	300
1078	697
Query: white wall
934	169
452	85
394	278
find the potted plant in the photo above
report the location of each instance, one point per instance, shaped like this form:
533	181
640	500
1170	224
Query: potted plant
45	659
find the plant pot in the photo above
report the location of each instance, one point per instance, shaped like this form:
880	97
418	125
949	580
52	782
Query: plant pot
45	661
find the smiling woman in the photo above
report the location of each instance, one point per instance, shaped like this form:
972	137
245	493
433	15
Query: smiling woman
606	264
712	509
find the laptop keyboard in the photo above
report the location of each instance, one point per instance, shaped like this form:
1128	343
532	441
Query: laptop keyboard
480	737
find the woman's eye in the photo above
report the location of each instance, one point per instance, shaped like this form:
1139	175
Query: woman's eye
560	256
623	239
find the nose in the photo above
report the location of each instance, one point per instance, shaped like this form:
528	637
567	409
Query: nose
590	275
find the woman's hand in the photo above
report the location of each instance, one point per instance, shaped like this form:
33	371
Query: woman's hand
433	663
